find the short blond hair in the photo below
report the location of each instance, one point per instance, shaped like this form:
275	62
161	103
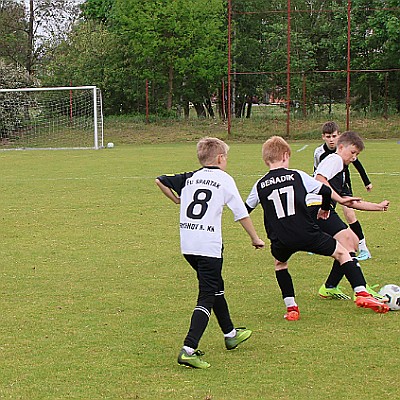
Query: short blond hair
209	148
274	149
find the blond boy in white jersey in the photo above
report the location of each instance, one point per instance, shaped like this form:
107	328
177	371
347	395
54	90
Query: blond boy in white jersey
202	195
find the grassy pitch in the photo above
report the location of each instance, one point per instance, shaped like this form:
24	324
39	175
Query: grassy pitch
96	298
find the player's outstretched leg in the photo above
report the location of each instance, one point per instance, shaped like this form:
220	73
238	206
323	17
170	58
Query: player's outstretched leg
373	293
365	300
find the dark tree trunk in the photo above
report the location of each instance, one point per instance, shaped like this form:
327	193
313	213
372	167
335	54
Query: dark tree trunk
249	106
200	110
209	108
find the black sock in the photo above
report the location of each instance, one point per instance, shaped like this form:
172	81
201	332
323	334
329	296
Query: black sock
221	312
198	325
285	283
335	276
356	228
353	273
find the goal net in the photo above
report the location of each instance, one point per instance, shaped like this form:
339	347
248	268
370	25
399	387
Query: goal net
51	118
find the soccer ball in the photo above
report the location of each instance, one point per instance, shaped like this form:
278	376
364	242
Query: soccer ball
392	292
110	145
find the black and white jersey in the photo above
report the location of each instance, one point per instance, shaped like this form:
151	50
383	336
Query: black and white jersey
333	169
203	195
320	153
282	194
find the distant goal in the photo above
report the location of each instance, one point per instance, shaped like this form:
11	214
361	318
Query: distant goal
51	118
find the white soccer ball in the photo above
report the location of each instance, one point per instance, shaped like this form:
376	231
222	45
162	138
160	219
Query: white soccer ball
392	293
110	145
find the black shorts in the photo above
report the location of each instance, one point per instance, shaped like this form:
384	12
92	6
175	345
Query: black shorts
209	272
318	243
332	225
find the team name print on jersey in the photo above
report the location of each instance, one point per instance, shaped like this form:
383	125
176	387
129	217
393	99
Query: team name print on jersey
207	182
196	227
276	180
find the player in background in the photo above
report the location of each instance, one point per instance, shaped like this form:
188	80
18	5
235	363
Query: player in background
282	193
202	194
331	171
330	135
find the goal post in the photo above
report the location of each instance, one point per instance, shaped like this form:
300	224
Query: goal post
69	117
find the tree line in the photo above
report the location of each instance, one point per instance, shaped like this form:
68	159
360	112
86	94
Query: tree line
180	48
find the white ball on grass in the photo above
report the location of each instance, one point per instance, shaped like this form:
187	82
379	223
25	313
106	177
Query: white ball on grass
110	145
392	293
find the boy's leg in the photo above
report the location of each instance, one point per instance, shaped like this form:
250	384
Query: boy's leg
208	273
354	275
233	336
284	279
285	283
355	226
330	289
336	228
221	311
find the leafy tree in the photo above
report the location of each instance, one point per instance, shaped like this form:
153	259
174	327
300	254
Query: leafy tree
30	29
13	26
12	76
179	45
91	55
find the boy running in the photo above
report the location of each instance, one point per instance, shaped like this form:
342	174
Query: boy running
202	194
282	193
330	135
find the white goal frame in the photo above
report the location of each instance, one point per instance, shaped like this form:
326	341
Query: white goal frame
98	120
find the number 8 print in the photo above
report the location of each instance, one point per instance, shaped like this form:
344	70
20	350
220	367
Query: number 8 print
198	201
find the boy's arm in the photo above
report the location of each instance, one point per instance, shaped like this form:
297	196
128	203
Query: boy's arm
368	206
346	201
168	192
248	226
359	167
354	202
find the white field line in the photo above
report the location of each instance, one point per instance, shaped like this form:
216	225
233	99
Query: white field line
86	178
302	148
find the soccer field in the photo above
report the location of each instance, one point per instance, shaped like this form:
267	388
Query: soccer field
96	297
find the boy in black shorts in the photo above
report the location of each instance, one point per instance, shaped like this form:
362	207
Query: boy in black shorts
330	135
332	172
202	195
282	193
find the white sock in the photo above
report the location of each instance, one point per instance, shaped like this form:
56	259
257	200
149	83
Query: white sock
362	245
289	302
231	334
188	350
360	289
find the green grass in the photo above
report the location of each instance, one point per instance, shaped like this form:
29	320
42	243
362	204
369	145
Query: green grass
96	298
265	122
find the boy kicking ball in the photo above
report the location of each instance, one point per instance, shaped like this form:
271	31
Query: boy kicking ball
290	227
332	172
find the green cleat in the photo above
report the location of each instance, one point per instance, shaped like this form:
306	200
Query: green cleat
332	293
193	361
242	334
